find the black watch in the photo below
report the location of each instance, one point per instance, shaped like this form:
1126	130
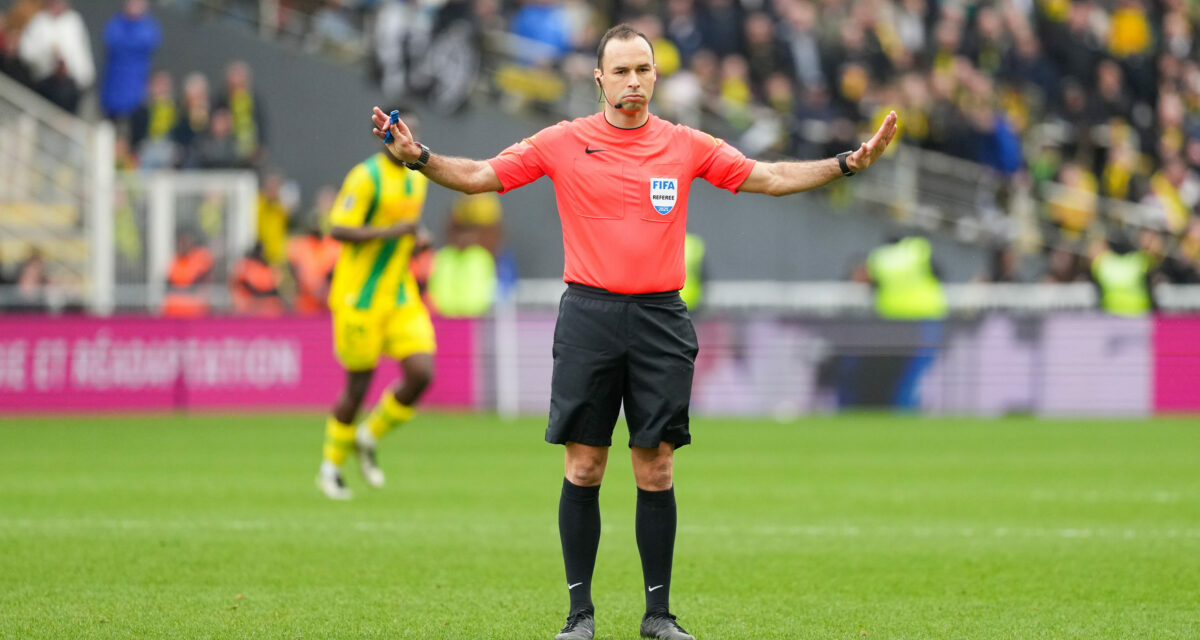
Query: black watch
841	163
421	161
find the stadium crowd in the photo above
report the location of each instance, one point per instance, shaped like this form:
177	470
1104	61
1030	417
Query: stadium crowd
46	46
1090	106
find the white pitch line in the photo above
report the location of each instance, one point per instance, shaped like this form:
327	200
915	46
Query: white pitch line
86	524
948	531
1093	497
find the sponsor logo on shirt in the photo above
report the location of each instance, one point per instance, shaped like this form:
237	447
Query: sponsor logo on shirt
663	192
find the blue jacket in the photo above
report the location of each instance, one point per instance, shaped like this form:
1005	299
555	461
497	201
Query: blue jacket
1001	149
131	43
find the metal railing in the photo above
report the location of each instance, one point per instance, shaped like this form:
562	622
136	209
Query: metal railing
56	180
217	207
840	299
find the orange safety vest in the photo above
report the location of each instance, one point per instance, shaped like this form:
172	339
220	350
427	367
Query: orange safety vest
313	260
186	297
255	289
421	265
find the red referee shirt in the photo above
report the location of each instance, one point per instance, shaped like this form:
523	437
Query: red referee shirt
622	194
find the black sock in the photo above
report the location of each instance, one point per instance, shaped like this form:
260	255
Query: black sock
579	531
655	528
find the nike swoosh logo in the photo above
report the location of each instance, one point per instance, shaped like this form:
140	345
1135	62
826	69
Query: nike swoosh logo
589	150
654	587
572	586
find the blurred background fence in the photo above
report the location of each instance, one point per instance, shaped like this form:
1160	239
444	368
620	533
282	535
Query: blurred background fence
750	364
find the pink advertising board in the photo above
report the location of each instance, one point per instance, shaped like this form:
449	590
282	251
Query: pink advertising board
1177	364
80	363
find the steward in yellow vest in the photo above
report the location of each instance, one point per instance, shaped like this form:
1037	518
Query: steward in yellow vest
462	280
693	264
1122	275
462	283
906	287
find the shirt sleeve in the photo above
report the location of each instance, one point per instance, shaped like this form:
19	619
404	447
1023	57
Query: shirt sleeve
350	208
719	163
528	159
517	166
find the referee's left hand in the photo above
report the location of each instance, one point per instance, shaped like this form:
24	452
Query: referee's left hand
869	151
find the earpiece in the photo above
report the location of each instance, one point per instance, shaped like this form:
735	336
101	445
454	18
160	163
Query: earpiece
615	106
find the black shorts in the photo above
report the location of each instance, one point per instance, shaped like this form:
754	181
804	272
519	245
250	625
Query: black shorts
611	349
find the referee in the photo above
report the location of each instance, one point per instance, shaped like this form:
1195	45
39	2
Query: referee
621	181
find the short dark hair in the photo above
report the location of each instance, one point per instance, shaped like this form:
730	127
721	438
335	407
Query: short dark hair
620	32
1120	243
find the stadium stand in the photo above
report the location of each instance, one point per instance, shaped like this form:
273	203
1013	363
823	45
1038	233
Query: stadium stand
1074	105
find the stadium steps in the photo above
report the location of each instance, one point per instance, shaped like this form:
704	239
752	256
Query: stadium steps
55	229
37	215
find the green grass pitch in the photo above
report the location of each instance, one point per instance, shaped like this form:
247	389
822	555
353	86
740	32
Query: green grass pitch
849	527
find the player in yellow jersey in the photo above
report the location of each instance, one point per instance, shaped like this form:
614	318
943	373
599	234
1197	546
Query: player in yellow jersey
376	311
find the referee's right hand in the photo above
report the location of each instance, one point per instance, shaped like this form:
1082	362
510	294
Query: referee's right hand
402	146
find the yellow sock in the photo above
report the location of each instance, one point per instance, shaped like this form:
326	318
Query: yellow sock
339	440
388	414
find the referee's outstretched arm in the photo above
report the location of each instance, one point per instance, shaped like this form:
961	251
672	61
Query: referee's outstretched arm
460	174
772	178
782	178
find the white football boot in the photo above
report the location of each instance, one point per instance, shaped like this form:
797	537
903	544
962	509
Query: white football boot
329	481
364	447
